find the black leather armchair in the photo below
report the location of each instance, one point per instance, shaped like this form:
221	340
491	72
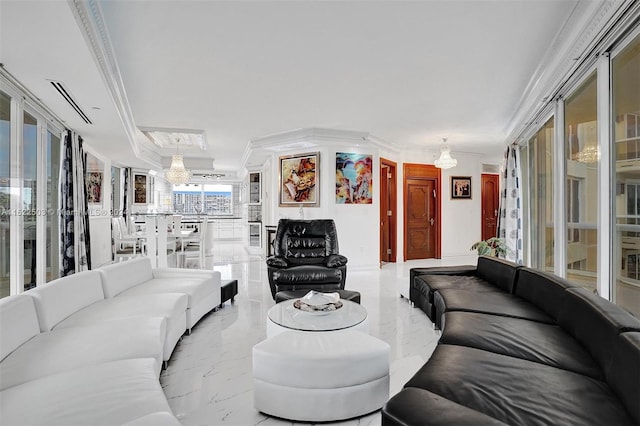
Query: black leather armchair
306	257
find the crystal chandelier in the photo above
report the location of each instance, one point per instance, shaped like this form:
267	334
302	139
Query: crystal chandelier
177	174
589	154
445	161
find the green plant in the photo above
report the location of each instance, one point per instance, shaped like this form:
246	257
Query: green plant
493	246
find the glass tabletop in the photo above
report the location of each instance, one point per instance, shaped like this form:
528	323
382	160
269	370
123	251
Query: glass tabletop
285	315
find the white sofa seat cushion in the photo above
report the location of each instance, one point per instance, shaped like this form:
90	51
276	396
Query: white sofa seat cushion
18	323
105	394
61	298
155	419
69	348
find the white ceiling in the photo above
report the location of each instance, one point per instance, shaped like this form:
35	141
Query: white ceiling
407	72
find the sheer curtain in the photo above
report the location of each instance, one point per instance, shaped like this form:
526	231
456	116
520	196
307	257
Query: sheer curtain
510	219
75	247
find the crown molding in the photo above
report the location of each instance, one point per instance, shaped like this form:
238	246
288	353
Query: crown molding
90	21
571	50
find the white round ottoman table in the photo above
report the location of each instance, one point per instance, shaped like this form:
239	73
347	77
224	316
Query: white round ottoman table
320	375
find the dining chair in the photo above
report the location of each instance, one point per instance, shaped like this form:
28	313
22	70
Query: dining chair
125	246
195	248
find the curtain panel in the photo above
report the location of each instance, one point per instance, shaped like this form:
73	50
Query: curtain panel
510	218
75	246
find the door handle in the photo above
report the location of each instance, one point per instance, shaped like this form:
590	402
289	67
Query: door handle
495	212
432	221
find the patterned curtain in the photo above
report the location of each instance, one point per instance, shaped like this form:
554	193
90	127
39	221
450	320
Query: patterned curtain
125	197
75	247
510	219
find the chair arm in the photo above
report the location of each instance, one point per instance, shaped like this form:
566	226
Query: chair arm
336	260
277	262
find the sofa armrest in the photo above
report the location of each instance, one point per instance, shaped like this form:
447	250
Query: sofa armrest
415	406
336	260
277	262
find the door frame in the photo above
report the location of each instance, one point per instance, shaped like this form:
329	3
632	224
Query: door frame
392	187
422	172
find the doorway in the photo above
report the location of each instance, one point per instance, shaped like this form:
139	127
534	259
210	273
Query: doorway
422	211
490	204
388	211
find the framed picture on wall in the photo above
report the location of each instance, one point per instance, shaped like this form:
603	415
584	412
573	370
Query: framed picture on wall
140	189
354	178
299	180
460	187
94	187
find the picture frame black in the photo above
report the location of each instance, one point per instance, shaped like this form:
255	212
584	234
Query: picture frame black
460	187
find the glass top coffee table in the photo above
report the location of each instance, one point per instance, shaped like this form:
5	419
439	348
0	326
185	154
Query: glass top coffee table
284	316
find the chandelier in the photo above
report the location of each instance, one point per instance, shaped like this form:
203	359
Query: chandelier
445	161
177	174
589	154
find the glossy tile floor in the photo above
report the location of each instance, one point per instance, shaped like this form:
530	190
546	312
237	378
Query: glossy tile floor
209	380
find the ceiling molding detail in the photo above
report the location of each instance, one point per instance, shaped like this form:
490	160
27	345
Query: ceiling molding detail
568	52
88	15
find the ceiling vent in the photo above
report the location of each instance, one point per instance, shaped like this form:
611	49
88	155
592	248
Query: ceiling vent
59	86
491	168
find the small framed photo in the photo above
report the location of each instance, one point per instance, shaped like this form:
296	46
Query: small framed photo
94	187
460	187
140	188
300	180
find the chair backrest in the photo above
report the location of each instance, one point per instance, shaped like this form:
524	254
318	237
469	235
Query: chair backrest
177	223
123	226
306	239
116	233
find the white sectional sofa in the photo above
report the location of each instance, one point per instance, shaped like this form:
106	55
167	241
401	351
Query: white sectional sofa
88	348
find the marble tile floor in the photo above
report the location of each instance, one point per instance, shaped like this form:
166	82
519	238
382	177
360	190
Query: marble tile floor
209	380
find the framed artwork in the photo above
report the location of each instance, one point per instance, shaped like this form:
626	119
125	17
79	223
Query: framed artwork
299	178
94	187
354	178
460	187
139	188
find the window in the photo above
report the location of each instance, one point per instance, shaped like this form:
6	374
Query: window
573	210
211	199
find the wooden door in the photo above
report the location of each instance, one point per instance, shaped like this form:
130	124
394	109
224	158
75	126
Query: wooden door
490	205
421	219
388	211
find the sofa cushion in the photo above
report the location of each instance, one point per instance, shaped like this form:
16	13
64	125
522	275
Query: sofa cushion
531	340
66	349
413	406
196	289
623	374
62	297
112	393
498	272
494	303
544	290
516	391
307	274
595	323
18	323
168	305
428	284
121	276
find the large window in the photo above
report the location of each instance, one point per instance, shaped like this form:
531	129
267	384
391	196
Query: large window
582	161
211	199
625	70
541	147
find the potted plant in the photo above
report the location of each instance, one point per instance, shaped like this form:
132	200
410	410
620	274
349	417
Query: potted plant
493	246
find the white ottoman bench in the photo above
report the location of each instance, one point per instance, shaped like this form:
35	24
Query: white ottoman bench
320	376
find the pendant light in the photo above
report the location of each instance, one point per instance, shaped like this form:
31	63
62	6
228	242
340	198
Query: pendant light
177	173
445	161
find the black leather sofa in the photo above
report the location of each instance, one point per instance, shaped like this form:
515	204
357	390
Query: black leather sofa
306	257
519	347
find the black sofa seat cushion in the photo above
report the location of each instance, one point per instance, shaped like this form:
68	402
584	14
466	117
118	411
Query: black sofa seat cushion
309	274
428	284
495	303
518	392
530	340
419	407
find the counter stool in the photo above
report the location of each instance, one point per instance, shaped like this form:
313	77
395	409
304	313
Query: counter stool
281	296
320	376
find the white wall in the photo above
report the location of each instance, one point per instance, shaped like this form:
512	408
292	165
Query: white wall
358	225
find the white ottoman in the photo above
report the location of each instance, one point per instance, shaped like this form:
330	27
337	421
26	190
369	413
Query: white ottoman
320	376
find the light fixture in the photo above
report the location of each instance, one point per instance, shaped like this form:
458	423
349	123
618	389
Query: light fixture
177	173
445	161
589	154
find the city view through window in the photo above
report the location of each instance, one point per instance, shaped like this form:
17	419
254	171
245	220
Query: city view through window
211	199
